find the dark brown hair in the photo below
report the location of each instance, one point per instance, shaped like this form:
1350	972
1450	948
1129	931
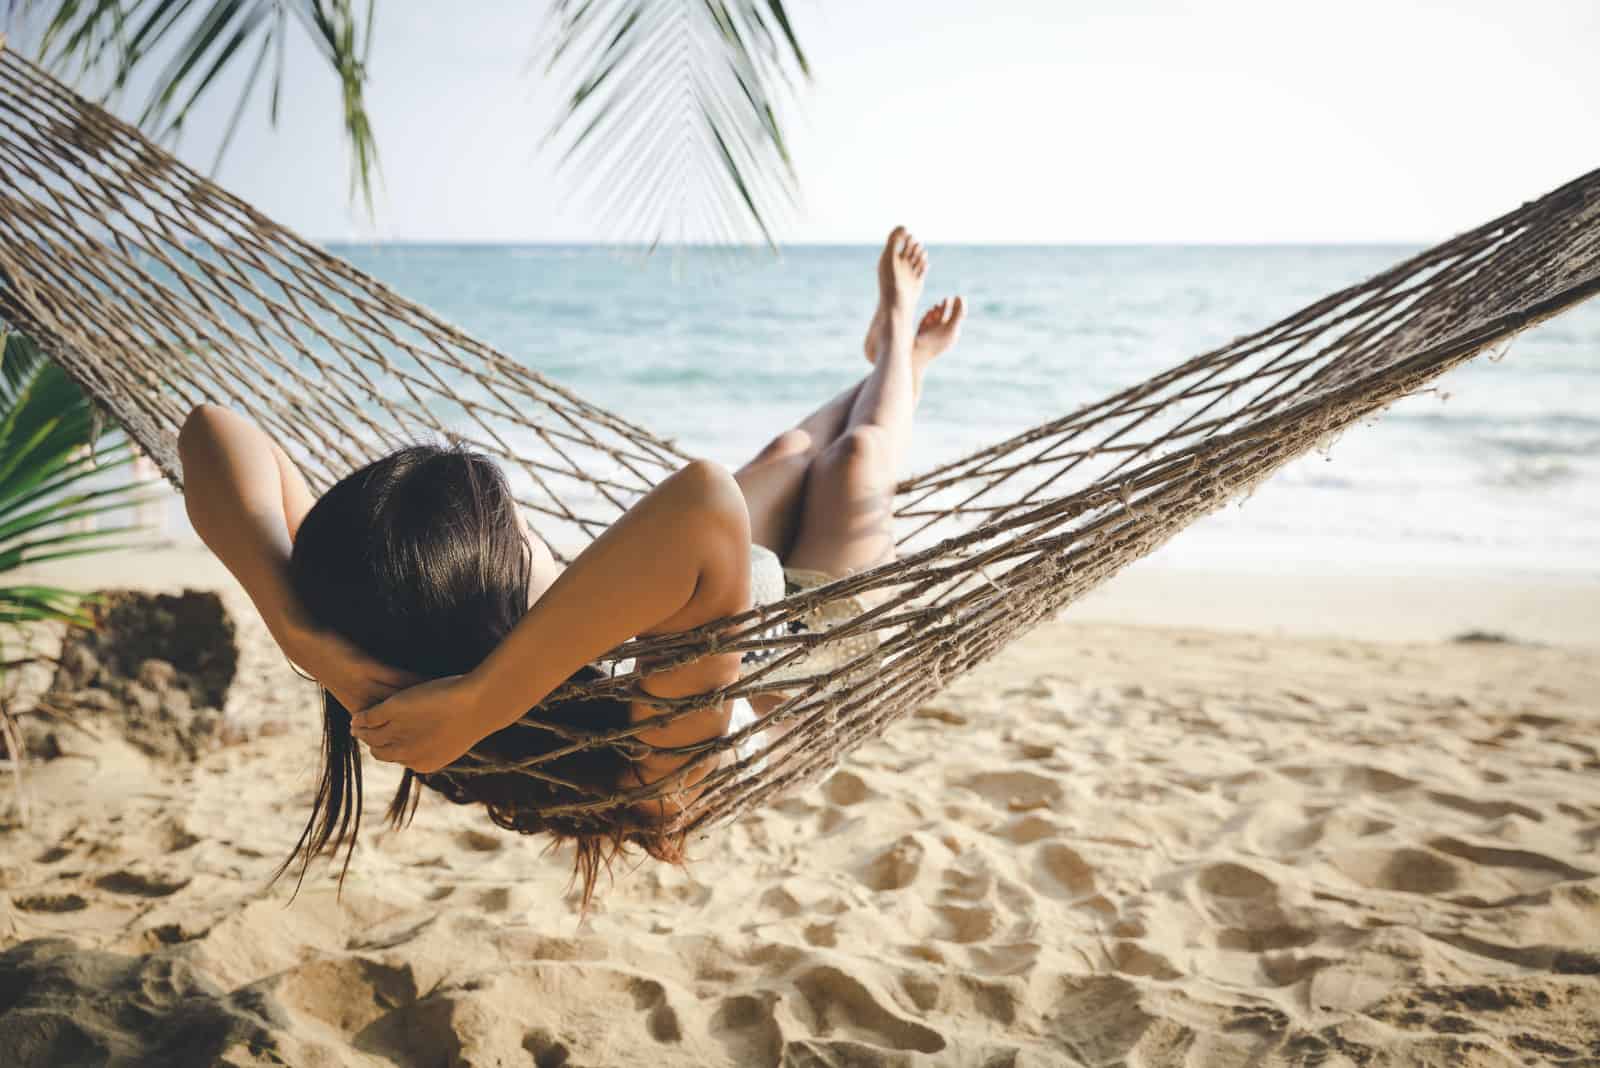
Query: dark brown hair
419	560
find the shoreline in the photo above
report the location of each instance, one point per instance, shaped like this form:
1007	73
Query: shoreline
1376	603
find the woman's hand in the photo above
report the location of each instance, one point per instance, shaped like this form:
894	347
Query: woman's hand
424	727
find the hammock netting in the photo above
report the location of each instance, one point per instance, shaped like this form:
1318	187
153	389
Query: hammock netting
157	290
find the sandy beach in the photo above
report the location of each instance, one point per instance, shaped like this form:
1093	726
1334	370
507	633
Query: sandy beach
1313	830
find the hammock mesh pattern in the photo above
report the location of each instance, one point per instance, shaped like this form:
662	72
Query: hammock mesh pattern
157	290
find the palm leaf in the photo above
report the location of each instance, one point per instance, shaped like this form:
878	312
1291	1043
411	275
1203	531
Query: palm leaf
672	114
39	604
72	472
46	426
200	40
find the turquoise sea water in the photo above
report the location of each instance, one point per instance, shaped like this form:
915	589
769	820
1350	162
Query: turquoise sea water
720	352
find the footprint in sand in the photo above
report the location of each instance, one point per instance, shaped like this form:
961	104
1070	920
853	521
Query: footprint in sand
896	867
965	925
546	1048
660	1018
480	841
847	788
1498	874
1025	830
797	896
968	997
346	993
1101	1018
1018	791
140	884
1248	909
1409	871
1060	872
835	1004
174	837
495	899
1012	958
969	881
50	902
1130	958
1347	778
1288	968
823	935
1484	809
1278	829
747	1030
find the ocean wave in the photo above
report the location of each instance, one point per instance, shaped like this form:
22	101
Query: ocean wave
1309	477
1539	472
1536	445
1445	417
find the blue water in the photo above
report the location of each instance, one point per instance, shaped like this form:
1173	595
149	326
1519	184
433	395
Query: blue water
1501	468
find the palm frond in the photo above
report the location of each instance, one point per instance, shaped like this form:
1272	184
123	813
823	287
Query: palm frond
672	114
200	40
40	604
47	426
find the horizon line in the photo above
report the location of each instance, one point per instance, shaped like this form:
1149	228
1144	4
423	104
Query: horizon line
710	247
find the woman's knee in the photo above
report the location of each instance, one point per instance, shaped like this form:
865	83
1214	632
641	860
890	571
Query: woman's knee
787	445
861	452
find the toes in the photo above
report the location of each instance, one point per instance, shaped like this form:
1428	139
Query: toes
917	255
948	313
896	236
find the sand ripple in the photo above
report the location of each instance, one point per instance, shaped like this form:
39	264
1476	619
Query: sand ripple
1115	845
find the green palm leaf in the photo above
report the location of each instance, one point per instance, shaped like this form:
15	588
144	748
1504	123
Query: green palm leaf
46	429
671	114
199	40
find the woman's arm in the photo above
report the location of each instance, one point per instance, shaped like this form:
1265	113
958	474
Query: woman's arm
246	500
678	558
245	508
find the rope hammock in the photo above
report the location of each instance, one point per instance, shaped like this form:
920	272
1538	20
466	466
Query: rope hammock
157	291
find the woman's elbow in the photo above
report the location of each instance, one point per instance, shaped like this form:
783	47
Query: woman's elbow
200	424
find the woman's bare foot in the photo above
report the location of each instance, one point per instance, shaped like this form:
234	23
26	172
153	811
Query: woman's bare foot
939	329
901	270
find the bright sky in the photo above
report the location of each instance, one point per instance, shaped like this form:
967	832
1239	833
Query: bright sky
1012	121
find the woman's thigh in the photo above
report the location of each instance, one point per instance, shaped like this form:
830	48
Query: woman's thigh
773	483
845	520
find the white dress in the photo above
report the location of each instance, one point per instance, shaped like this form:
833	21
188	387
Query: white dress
743	716
766	585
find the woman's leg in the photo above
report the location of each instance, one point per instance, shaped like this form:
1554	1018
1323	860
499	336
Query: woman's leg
774	480
844	521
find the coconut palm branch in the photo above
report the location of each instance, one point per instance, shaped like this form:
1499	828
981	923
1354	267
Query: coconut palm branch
672	113
671	108
115	38
52	475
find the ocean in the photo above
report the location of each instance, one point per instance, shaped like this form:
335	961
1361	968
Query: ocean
1499	468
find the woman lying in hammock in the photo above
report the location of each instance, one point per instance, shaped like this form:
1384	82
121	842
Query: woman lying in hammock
419	567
